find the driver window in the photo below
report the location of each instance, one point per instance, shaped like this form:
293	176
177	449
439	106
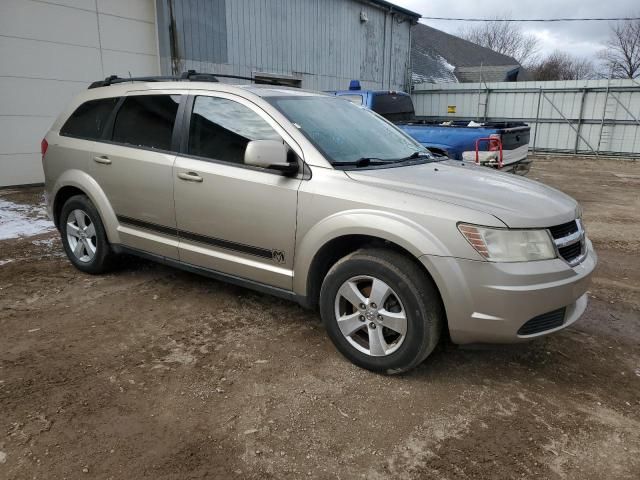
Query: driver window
220	129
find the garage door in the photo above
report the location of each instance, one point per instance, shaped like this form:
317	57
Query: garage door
51	50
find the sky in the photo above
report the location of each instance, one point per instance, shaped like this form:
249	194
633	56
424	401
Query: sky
582	39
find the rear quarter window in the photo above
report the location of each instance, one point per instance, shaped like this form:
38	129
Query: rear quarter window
89	119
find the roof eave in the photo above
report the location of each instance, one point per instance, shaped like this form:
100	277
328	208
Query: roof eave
394	8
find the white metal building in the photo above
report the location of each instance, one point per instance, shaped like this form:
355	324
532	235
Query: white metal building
49	50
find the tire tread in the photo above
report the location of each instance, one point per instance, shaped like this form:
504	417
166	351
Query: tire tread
422	286
105	256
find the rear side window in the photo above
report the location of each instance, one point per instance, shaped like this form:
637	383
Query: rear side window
89	119
146	121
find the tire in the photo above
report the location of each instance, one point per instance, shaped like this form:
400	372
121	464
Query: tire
381	343
83	236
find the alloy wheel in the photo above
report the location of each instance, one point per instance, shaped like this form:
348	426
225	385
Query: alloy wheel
81	235
370	315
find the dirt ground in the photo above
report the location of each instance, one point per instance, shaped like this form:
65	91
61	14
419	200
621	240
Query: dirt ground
150	372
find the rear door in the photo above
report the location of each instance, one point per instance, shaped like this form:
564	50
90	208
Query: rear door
83	128
234	218
134	166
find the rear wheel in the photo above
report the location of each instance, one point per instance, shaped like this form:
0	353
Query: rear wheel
381	310
83	236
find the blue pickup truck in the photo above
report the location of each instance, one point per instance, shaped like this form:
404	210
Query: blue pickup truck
500	145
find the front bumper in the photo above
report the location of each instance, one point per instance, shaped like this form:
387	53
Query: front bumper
489	302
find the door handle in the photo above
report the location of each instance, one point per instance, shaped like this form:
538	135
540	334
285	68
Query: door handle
190	177
103	159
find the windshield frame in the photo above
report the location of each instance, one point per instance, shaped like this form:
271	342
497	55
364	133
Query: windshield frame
425	155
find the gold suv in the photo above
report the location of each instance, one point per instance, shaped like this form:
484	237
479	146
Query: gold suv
306	196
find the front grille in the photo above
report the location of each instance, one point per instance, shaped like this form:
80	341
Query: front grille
544	322
569	241
564	230
571	252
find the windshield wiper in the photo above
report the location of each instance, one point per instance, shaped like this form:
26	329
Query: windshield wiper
417	154
366	161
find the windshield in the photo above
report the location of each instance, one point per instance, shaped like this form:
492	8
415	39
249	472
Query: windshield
346	133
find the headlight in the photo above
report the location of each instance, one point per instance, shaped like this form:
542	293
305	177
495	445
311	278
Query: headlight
503	245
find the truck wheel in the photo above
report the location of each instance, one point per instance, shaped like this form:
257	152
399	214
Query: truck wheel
83	236
381	310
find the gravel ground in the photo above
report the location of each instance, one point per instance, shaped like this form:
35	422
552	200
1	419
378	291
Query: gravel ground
151	372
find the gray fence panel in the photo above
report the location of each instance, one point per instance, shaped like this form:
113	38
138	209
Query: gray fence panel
578	116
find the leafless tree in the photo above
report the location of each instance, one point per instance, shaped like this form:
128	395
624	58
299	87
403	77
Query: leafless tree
562	66
621	58
503	37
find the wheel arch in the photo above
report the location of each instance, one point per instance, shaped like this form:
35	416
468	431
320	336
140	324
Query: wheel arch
77	182
336	237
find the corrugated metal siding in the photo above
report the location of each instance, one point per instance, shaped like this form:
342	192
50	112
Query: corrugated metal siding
206	39
558	116
321	42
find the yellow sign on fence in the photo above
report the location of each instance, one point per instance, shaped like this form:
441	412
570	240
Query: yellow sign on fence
451	109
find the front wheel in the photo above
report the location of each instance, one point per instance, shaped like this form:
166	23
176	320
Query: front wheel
381	310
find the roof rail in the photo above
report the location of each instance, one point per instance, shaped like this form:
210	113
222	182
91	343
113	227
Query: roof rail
189	75
113	79
261	80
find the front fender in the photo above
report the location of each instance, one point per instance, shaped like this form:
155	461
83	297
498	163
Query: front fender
85	182
383	225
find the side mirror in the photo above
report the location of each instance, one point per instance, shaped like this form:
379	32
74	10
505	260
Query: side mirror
270	154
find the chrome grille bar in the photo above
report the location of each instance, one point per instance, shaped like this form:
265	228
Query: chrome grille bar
569	240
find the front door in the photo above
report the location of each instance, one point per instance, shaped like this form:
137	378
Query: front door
233	218
134	167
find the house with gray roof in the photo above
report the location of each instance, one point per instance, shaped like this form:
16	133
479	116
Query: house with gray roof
438	57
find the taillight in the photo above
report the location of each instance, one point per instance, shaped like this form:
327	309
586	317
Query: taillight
43	147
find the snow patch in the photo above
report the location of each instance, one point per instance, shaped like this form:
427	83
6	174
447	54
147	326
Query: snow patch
429	67
18	220
4	262
47	242
445	64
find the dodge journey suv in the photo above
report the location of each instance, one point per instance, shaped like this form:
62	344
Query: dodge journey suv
314	199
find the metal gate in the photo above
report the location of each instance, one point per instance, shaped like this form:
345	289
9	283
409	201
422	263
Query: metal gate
587	117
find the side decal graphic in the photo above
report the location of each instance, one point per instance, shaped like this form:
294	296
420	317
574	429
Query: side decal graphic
275	255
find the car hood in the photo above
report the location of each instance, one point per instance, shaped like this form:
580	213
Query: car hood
518	202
